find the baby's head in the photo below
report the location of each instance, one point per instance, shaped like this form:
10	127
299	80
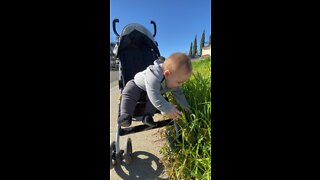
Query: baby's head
177	69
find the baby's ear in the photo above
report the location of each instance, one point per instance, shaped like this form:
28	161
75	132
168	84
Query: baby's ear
166	73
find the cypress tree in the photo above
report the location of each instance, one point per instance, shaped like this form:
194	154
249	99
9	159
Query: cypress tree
190	51
195	50
202	42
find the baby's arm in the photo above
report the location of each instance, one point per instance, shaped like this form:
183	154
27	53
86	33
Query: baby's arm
153	91
180	98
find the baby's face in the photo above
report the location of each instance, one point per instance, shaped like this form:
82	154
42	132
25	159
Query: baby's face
176	79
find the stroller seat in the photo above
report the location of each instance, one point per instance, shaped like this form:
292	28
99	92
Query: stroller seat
136	50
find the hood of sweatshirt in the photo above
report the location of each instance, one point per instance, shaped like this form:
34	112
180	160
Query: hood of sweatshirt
156	69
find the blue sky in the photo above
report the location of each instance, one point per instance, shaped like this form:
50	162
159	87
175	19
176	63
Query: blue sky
178	21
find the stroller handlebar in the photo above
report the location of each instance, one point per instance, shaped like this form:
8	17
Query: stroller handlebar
114	26
155	28
117	20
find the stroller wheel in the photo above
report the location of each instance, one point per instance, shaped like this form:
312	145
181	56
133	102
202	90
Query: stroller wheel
119	156
113	161
128	151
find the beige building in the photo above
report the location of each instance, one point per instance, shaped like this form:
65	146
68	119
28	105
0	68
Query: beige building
206	51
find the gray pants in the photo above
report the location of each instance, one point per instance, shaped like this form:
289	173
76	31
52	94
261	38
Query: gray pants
129	98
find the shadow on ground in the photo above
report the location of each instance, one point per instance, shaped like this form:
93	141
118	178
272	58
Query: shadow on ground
144	166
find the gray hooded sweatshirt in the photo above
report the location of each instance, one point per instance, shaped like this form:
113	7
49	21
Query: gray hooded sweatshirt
153	82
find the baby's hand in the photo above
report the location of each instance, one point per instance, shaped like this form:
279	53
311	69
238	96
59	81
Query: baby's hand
174	113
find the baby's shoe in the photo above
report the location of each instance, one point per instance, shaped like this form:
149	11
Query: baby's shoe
125	120
148	120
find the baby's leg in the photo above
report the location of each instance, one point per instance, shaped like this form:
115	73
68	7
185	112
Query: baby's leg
129	98
149	111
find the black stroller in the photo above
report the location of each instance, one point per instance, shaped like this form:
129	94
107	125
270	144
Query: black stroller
136	49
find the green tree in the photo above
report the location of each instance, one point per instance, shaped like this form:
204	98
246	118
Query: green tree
195	50
190	51
162	58
210	39
202	42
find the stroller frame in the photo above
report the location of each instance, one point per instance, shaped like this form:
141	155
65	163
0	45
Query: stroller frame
116	154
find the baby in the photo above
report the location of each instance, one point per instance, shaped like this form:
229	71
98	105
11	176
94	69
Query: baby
155	81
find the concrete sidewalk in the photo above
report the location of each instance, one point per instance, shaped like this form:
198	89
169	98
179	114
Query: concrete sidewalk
114	76
145	145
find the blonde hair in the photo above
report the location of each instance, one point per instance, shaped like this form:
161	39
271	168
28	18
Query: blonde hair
177	61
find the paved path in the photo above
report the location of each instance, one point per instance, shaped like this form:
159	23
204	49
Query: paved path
114	76
145	145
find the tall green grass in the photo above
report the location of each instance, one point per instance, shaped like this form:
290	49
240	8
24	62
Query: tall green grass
191	157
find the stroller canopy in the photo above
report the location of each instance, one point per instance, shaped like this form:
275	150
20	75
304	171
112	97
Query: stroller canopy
135	35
